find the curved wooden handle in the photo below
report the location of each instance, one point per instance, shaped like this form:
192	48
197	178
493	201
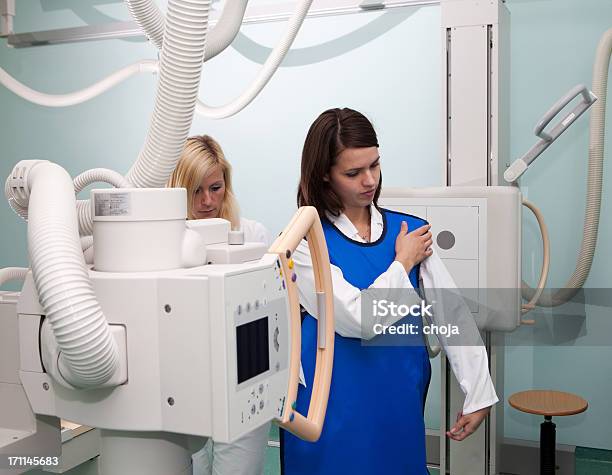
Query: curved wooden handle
306	222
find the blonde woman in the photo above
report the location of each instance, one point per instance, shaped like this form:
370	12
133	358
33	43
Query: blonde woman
207	176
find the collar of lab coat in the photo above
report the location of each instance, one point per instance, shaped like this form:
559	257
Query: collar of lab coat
346	227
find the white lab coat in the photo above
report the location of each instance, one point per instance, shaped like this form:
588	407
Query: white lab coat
469	363
246	455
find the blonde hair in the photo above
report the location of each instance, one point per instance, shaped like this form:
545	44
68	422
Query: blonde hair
201	155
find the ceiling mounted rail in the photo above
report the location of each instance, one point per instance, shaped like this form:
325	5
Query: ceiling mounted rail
256	14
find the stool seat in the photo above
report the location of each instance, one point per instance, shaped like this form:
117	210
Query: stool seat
548	403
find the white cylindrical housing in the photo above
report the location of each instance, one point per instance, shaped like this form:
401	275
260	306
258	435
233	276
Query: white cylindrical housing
138	229
153	453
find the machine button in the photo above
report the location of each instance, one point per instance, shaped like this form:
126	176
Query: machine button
261	388
253	409
276	344
261	405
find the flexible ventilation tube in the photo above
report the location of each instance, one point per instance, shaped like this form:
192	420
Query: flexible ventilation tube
88	255
594	182
87	247
147	15
77	97
268	69
17	198
545	259
179	80
180	69
88	355
96	175
150	19
86	242
84	217
8	274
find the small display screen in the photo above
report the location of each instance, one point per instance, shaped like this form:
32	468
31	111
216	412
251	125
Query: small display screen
252	349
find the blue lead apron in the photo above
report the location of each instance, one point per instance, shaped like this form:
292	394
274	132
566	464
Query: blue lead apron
374	422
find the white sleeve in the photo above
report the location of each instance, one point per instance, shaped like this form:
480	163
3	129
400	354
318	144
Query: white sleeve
263	235
347	298
469	363
255	231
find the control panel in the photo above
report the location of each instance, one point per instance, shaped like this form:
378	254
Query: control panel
257	347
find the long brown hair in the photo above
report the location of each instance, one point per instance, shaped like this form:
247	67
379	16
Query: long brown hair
332	132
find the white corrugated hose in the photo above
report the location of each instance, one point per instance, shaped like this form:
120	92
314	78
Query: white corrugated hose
594	183
9	274
80	96
47	199
89	355
97	175
179	79
545	260
146	14
265	73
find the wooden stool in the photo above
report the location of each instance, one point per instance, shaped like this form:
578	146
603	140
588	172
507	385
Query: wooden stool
548	403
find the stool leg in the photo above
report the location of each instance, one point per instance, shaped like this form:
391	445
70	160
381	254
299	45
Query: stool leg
547	446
